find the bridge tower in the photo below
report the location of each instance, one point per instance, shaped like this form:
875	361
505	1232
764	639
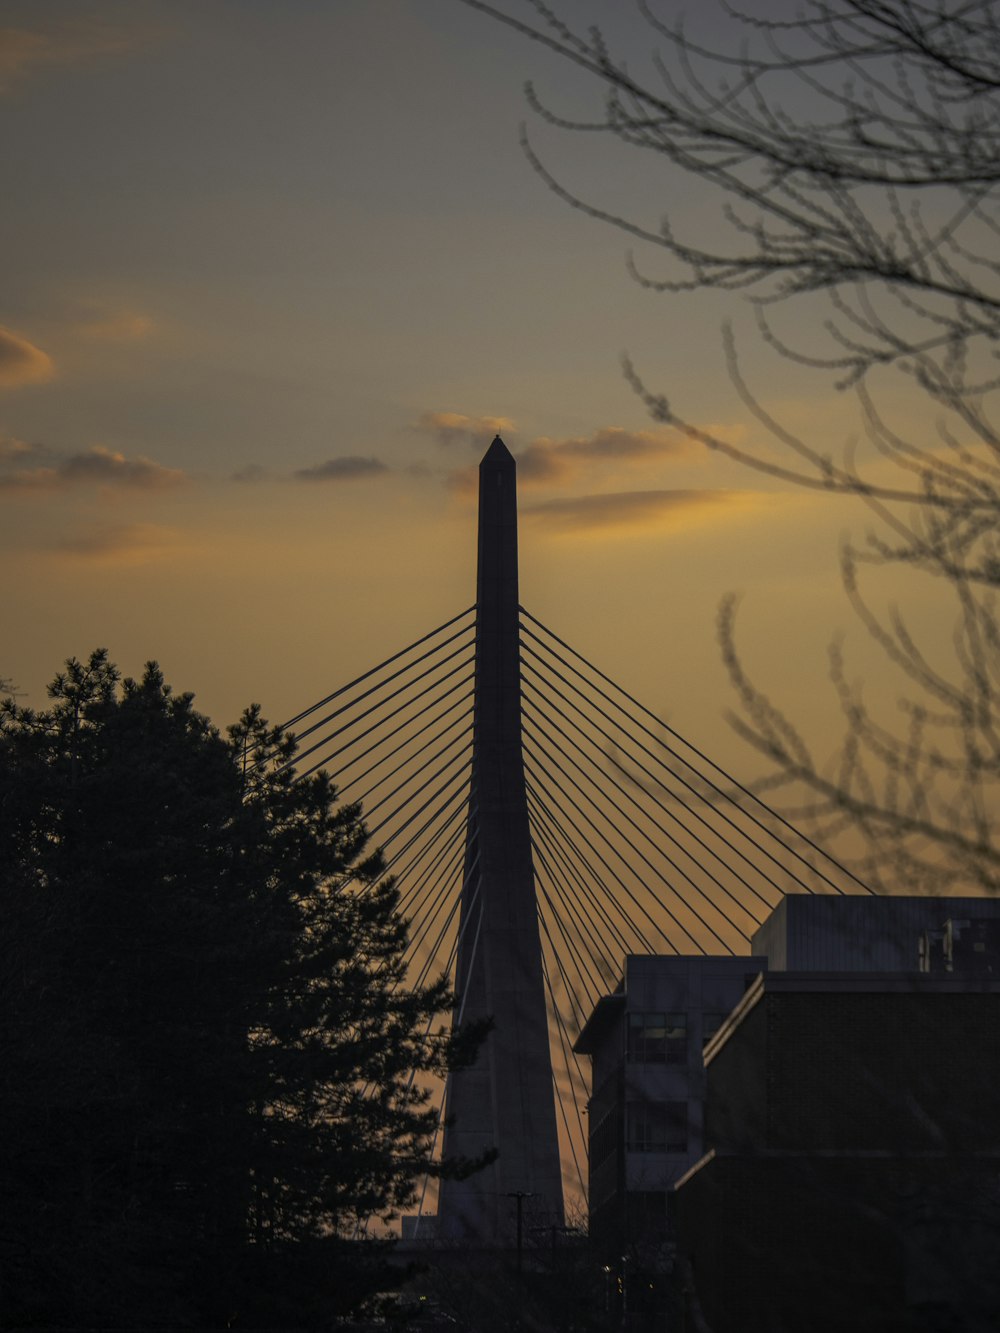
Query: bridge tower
506	1099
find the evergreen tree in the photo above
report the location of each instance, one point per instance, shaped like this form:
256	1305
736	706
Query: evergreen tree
208	1062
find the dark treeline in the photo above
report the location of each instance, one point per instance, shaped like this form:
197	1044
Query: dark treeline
207	1042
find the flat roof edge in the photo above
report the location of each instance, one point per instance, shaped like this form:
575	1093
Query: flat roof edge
849	983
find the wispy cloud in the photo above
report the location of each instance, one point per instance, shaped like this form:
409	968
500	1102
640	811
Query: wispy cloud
349	468
116	326
21	362
28	51
629	509
38	468
120	542
251	472
545	460
454	428
13	451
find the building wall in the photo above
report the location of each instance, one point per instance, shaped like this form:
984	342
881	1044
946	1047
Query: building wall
853	1173
646	1119
901	1069
811	1244
832	933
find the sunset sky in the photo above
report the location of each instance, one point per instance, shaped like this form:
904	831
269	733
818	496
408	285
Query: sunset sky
275	275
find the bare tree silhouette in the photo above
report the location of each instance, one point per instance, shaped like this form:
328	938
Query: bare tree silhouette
852	150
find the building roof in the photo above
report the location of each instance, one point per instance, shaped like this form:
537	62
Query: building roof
604	1015
639	970
847	983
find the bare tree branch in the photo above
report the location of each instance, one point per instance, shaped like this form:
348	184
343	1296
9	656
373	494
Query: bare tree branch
853	153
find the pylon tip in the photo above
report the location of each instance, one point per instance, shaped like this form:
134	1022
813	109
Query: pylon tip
498	452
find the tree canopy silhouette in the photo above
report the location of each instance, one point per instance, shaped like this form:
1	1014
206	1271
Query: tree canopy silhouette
847	153
209	1047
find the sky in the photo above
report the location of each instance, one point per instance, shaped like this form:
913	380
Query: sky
275	276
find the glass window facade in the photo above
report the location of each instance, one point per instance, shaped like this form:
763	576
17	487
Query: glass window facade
656	1038
656	1126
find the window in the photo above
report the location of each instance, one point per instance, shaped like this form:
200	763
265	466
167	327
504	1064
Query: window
656	1127
657	1038
646	1127
677	1126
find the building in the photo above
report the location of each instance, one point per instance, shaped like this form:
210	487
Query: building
645	1042
648	1126
833	933
853	1172
971	945
647	1121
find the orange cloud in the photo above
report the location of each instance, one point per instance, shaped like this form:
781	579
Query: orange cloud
451	428
94	466
26	51
16	451
119	326
631	509
546	460
123	542
21	362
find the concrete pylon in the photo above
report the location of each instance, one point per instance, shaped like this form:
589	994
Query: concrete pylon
506	1099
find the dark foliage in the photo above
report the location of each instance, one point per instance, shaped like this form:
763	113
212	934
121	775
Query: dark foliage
208	1046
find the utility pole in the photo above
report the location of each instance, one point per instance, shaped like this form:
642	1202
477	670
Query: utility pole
520	1196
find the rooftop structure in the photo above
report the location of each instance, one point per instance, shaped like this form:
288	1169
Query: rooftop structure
853	933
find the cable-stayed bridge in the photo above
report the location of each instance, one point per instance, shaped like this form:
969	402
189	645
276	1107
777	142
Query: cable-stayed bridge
541	823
